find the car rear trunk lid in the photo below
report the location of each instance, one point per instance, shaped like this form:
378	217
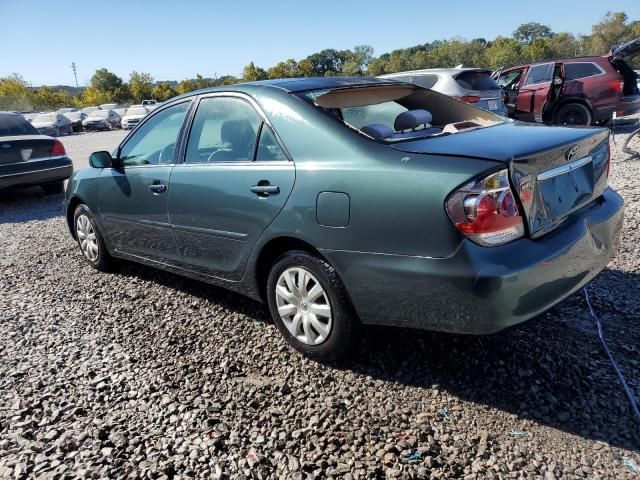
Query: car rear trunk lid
24	148
554	171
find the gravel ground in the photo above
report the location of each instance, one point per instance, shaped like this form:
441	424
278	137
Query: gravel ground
143	374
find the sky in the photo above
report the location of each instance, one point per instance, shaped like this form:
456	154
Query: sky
174	40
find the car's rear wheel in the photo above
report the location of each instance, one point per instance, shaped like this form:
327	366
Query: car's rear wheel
90	239
573	114
53	188
310	307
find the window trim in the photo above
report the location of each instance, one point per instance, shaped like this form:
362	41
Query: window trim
179	139
600	69
181	160
525	84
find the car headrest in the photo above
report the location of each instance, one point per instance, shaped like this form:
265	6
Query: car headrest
377	131
411	119
238	134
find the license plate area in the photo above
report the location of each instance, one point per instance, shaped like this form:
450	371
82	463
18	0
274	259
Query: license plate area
492	104
567	190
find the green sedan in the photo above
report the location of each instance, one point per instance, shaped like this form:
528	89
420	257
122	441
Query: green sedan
349	201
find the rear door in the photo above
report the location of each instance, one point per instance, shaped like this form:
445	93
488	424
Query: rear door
534	92
234	180
132	199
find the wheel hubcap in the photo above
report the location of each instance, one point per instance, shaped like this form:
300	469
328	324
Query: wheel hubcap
303	306
87	238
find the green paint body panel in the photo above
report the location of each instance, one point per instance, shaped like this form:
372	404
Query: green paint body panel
375	212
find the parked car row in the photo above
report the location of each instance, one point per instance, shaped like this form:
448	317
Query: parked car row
572	91
66	121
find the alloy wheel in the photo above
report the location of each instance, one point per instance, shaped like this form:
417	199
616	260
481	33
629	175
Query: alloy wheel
303	306
87	238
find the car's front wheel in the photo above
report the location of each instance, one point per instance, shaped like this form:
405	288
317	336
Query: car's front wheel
90	239
310	306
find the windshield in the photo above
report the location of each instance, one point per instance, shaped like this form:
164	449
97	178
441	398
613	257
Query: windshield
46	118
11	125
399	112
100	113
136	111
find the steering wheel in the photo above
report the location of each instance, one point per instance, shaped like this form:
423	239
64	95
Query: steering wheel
166	154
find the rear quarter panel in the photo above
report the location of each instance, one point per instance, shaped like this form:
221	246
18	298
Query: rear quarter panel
396	199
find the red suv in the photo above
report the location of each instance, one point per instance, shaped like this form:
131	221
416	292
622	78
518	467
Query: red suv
573	91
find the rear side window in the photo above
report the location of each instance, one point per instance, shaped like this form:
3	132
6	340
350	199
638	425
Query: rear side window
224	129
425	81
268	147
474	80
540	74
11	125
574	71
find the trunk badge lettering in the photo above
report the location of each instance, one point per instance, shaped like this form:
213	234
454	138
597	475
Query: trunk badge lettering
571	153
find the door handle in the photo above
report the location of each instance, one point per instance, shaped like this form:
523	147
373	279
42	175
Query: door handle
157	188
265	189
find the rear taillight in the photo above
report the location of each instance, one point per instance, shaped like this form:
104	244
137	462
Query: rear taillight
486	210
468	98
617	86
58	149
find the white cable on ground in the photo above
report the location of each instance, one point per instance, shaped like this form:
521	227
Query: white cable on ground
634	405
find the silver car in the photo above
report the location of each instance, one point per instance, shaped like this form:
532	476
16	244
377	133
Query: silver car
471	85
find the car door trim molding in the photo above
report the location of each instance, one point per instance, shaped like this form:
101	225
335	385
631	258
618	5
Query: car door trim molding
212	233
150	223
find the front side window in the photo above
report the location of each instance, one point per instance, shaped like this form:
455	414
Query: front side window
224	130
154	142
574	71
540	74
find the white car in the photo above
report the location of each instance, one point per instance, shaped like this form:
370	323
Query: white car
133	115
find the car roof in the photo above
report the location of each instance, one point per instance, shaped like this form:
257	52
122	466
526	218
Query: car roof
589	58
294	85
434	70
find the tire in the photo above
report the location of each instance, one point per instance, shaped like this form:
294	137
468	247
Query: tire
331	309
573	114
98	257
57	132
53	188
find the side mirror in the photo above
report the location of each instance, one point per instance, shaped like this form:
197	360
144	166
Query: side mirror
101	159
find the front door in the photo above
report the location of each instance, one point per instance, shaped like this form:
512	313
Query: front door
510	83
534	92
234	180
132	198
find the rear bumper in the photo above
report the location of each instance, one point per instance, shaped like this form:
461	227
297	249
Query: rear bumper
481	290
35	173
630	106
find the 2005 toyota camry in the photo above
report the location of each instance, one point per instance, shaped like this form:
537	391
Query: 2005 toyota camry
341	201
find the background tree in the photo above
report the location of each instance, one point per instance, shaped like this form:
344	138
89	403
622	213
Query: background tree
503	52
163	91
358	60
538	49
528	32
251	73
15	94
140	86
612	30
